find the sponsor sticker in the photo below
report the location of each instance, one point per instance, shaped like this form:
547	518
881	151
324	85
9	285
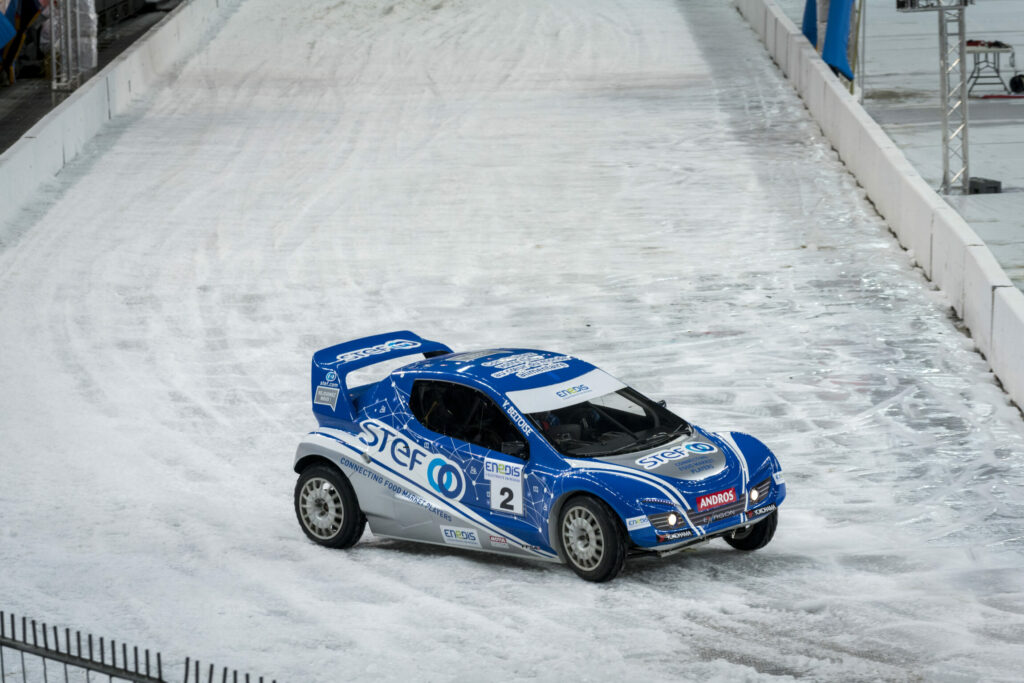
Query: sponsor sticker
572	391
634	523
498	541
499	469
431	470
524	365
779	479
761	511
506	480
713	500
674	536
386	347
471	356
721	514
649	462
695	465
454	535
326	396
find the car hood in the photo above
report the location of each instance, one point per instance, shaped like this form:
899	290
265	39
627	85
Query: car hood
693	458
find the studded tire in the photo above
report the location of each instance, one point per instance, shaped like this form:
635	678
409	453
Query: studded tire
756	536
326	507
593	541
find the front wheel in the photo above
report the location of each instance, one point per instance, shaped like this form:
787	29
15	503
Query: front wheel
592	539
756	536
327	508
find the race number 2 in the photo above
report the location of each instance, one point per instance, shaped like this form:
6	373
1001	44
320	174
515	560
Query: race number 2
506	485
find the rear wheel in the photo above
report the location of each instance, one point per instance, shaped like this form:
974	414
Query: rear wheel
326	507
756	536
592	539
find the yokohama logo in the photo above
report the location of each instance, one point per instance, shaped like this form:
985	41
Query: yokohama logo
713	500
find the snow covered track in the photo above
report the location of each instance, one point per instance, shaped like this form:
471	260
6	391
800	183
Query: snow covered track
631	182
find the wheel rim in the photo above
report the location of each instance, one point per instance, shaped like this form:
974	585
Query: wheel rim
321	508
582	538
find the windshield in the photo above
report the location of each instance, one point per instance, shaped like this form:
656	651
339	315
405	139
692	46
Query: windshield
623	421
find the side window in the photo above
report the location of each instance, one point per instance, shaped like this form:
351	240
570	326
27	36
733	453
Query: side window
465	414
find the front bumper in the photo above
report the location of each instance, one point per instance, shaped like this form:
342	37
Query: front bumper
673	547
694	527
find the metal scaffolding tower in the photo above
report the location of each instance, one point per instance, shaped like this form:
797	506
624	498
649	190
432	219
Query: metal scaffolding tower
952	87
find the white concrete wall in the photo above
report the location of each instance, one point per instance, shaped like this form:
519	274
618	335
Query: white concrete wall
59	136
949	252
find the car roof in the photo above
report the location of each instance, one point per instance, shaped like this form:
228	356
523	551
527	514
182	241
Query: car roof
504	369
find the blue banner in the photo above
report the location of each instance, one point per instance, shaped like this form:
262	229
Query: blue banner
837	37
7	31
810	26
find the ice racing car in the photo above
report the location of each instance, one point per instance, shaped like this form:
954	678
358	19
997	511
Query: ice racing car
522	452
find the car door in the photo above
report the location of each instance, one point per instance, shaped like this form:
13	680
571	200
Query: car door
491	452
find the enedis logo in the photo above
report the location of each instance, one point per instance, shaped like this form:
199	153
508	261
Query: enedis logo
436	471
465	535
572	391
713	500
454	535
502	469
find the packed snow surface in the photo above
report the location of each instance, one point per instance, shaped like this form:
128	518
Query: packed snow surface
632	182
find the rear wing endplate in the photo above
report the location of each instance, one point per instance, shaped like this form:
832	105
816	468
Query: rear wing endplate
331	366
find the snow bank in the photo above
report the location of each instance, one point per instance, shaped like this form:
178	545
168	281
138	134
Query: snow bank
60	135
945	247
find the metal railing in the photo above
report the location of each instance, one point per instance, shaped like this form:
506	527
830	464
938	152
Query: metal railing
71	655
73	42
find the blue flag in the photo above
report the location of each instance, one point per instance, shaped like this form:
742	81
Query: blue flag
7	30
810	26
837	37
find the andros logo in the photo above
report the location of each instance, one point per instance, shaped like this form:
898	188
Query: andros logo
439	473
713	500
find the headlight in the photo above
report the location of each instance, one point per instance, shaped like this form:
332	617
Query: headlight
759	492
666	520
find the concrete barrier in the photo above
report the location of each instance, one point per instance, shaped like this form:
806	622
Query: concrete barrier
59	136
1007	335
945	247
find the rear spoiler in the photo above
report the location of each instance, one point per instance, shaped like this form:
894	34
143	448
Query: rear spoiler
331	397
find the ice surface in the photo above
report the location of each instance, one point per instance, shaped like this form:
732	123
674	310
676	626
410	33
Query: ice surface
633	183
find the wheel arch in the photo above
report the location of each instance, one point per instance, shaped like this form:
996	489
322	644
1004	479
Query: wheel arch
577	492
305	461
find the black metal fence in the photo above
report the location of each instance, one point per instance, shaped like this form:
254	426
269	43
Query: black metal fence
65	655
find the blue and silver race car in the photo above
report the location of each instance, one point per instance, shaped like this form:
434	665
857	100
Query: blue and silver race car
520	452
